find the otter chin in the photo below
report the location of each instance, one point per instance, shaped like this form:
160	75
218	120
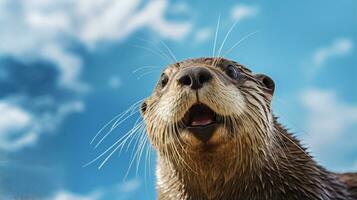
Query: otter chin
211	123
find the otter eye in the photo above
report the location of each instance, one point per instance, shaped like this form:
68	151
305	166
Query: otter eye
232	72
164	80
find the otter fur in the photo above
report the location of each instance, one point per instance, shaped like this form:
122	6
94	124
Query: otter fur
211	122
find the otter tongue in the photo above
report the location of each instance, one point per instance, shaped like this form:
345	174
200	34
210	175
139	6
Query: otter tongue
200	115
202	118
201	122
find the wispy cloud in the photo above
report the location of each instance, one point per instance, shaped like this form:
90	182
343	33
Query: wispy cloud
32	102
40	37
130	185
120	191
114	21
95	21
41	27
13	120
114	82
328	121
65	195
180	7
43	31
21	128
240	12
202	35
339	47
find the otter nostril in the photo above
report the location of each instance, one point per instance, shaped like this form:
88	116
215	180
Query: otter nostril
185	80
194	77
204	77
201	76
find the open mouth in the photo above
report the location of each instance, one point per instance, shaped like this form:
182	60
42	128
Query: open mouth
201	121
200	115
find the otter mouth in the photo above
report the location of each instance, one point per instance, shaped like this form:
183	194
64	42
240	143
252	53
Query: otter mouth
201	121
200	115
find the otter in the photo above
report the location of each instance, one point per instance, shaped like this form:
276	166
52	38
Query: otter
211	122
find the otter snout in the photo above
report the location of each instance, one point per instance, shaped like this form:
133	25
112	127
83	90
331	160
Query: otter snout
194	77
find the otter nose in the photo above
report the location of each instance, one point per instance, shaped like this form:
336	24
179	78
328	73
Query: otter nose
194	77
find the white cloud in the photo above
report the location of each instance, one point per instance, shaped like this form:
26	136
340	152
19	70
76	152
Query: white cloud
69	65
93	21
99	25
114	82
65	195
20	128
39	28
55	21
339	47
13	120
240	12
119	191
202	35
44	29
328	123
130	185
180	7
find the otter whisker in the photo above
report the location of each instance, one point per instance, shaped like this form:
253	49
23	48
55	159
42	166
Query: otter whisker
147	157
170	135
144	67
302	150
284	146
105	126
261	132
172	143
109	156
169	50
216	60
225	38
116	118
135	157
116	124
121	120
136	138
215	36
143	146
239	42
176	138
141	129
169	56
237	142
148	72
150	151
132	110
152	51
118	143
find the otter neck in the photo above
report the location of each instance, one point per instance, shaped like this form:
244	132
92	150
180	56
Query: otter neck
291	171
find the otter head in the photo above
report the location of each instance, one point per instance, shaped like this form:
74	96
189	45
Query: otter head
208	111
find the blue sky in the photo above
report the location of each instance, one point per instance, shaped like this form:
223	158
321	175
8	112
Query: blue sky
66	69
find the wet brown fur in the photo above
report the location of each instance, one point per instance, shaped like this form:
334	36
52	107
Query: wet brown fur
246	165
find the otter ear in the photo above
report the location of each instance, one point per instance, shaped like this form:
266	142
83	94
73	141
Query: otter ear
143	107
267	82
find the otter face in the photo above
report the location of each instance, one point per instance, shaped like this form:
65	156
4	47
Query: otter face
209	106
